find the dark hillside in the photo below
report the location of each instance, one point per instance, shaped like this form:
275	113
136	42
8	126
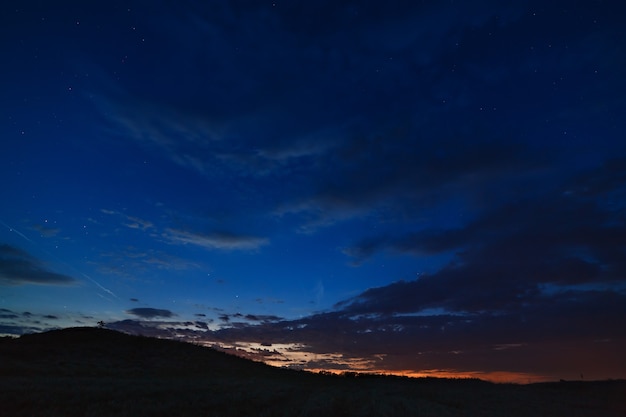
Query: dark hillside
93	351
99	372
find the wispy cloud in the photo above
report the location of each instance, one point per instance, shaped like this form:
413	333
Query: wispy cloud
45	231
218	240
142	261
137	223
180	136
132	222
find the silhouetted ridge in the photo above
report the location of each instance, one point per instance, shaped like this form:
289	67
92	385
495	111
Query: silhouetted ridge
94	351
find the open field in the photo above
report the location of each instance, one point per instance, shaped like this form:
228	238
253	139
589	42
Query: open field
97	372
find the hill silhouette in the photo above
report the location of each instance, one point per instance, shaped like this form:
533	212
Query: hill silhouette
84	351
100	372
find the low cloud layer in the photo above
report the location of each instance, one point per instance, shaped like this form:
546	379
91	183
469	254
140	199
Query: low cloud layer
150	313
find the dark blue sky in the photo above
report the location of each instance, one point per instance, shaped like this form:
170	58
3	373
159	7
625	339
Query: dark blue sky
435	187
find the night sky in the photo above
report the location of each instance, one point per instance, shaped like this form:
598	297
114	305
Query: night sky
416	187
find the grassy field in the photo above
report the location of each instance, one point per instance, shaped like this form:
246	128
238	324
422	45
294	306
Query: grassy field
98	372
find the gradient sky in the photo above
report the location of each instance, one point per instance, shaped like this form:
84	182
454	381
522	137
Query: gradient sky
425	187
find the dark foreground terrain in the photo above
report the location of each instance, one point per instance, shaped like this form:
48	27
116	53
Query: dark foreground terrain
98	372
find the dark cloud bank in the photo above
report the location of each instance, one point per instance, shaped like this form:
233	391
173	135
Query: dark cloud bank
18	267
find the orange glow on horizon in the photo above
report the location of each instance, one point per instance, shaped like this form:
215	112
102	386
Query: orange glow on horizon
297	357
496	376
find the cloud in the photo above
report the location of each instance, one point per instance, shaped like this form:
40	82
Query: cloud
533	213
46	231
16	330
15	323
312	145
526	341
218	240
262	317
513	256
201	325
459	342
142	327
396	172
144	261
133	221
607	181
137	223
150	313
17	267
